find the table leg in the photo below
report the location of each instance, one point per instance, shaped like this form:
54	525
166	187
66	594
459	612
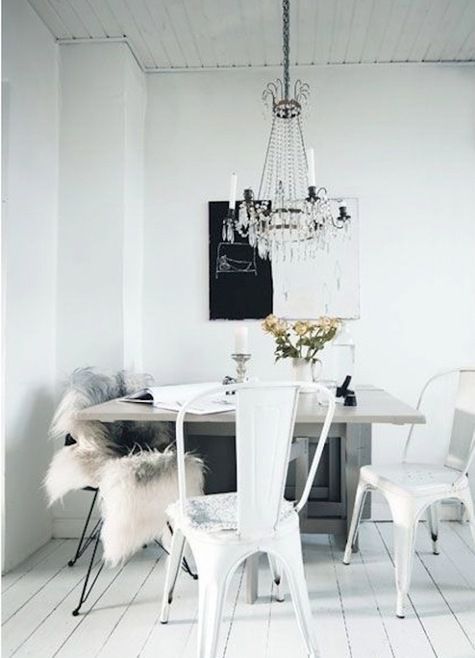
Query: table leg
252	577
358	453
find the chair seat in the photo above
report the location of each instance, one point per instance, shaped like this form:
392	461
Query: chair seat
217	512
411	479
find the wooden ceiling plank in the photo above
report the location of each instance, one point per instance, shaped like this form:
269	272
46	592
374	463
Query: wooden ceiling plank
159	33
294	18
70	18
88	16
446	26
251	18
204	41
467	50
272	12
235	32
51	19
359	30
107	19
304	30
183	33
127	19
262	22
218	31
415	19
345	13
430	26
326	11
395	28
460	35
377	29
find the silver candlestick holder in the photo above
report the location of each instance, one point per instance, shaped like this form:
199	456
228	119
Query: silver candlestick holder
241	369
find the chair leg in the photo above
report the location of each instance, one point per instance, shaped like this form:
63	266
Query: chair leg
173	567
276	572
210	612
84	543
87	589
404	528
289	551
433	521
216	564
466	498
361	492
184	563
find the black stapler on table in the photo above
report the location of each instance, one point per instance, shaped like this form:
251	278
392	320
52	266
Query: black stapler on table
349	397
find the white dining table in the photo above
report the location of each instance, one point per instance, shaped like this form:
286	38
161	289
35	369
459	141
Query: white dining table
352	425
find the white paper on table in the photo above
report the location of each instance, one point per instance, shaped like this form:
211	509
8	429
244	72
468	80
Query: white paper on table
173	398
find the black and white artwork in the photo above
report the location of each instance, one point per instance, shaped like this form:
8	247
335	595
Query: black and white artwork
240	283
242	286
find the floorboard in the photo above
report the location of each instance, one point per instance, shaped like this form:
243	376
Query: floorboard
33	562
353	606
362	616
95	629
139	617
406	637
49	637
448	639
248	633
325	597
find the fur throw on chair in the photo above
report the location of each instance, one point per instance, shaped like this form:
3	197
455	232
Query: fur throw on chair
132	464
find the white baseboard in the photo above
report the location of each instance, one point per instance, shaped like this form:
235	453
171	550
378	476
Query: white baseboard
71	528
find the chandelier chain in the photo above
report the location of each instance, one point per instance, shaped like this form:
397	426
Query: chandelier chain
286	45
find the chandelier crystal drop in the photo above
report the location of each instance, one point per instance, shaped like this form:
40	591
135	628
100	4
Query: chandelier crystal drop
291	217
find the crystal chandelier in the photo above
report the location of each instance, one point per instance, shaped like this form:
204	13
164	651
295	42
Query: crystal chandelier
291	216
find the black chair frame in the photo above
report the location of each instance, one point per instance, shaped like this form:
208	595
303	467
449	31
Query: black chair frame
94	537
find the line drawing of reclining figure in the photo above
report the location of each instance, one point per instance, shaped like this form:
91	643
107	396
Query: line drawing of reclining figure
235	258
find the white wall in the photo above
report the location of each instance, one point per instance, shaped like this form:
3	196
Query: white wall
30	160
100	220
101	137
133	200
400	138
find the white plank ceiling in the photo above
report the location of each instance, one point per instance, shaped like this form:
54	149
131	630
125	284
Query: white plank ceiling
189	34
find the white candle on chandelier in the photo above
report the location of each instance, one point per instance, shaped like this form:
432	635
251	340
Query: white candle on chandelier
241	336
232	191
311	167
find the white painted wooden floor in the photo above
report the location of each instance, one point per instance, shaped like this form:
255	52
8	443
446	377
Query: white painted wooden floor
353	606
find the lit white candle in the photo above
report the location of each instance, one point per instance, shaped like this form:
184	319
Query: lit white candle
311	167
232	191
241	340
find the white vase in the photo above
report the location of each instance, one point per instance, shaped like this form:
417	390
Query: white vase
306	371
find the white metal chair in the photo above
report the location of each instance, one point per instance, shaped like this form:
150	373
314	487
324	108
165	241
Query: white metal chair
225	529
412	488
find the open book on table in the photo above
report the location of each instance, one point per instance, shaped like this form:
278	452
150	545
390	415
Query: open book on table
172	398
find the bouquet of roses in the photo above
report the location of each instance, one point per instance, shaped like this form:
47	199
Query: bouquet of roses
302	339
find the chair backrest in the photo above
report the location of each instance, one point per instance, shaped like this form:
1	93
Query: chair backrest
265	418
461	449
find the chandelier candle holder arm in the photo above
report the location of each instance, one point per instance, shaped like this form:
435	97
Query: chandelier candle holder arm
291	215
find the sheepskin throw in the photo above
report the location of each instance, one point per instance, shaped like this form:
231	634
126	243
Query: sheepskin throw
132	464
